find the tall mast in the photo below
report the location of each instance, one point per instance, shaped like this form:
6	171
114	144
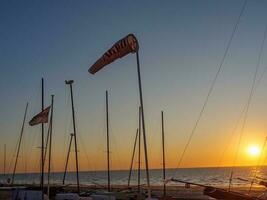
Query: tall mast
163	153
139	150
70	82
108	151
42	147
133	153
18	150
143	124
47	140
4	159
50	145
67	161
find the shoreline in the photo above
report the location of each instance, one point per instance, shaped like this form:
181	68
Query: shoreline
179	192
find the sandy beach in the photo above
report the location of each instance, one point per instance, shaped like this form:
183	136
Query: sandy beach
178	192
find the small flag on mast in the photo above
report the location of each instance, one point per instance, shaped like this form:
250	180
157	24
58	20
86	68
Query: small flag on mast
42	117
126	45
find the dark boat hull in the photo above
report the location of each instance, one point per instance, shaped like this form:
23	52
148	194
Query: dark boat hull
227	195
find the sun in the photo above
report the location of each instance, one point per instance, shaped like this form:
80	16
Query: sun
254	150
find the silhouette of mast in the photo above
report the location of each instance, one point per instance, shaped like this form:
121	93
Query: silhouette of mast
50	145
70	82
67	161
18	150
108	150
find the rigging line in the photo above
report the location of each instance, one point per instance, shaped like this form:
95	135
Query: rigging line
231	136
81	141
11	161
213	83
29	147
67	122
115	152
261	76
258	165
241	115
263	161
251	93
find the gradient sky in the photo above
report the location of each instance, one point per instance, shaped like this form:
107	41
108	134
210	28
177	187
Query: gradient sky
181	45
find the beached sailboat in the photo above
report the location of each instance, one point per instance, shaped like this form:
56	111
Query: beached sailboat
218	193
109	194
36	193
18	149
10	190
136	190
73	135
71	195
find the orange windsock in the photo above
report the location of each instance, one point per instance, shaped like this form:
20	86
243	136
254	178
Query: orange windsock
126	45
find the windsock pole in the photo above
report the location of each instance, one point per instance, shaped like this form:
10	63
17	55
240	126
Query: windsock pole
143	124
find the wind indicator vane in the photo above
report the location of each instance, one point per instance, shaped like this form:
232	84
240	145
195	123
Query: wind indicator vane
126	45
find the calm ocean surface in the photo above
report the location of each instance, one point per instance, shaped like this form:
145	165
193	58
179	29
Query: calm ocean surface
213	176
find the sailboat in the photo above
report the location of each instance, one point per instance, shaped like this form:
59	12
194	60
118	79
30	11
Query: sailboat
164	195
218	193
76	195
18	149
28	193
72	195
139	194
109	195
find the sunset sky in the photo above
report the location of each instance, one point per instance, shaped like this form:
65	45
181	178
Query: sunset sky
181	45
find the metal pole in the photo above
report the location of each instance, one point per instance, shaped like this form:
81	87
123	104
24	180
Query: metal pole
42	150
163	153
107	123
143	125
18	150
131	166
230	181
139	150
75	138
50	145
4	159
47	140
68	155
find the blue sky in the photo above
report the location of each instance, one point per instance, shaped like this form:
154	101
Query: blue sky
181	45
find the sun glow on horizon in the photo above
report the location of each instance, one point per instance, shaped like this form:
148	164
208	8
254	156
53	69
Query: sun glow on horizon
254	150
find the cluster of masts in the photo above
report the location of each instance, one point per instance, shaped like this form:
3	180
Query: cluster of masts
128	44
123	47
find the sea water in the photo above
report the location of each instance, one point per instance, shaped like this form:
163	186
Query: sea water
206	176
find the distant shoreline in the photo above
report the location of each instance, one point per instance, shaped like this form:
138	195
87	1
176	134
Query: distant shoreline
154	169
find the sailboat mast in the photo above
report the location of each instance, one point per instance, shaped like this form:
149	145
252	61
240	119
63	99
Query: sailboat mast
108	151
4	159
42	147
163	153
18	150
50	145
139	150
143	124
47	141
70	82
67	161
131	166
